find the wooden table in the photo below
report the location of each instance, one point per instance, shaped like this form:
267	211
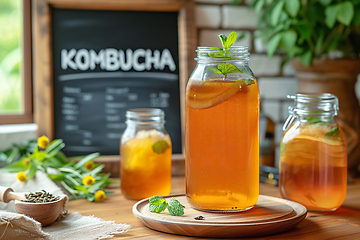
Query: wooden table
341	224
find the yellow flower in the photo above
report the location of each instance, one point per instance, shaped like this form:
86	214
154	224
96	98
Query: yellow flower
89	165
43	142
88	180
21	176
100	196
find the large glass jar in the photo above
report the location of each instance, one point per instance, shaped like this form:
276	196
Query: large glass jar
222	131
313	155
145	150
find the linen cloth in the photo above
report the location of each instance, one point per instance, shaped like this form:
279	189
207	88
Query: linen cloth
68	226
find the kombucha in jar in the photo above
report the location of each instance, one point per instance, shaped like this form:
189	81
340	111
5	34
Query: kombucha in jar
222	133
145	150
313	154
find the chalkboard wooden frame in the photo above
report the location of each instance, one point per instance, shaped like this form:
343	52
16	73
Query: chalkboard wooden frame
42	49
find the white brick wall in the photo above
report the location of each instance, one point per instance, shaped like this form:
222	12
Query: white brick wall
277	88
262	65
288	70
238	17
259	46
209	38
207	16
271	109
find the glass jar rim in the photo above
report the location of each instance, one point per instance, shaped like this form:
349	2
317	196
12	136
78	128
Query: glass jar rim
234	53
314	104
145	116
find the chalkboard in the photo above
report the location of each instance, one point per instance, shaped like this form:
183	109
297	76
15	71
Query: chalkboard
105	60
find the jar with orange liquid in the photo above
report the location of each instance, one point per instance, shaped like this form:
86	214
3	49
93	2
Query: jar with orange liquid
222	132
145	150
313	154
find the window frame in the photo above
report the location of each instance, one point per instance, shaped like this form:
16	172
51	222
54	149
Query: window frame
26	72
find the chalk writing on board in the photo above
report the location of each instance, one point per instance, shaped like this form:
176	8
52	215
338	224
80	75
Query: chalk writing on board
112	59
103	67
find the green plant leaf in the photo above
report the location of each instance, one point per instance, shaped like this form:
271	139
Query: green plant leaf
292	7
95	170
81	189
288	39
19	166
259	5
325	2
32	171
275	15
156	200
223	39
62	157
273	44
57	177
346	13
356	19
304	30
319	42
70	170
215	70
40	155
160	146
90	197
175	208
54	145
157	204
86	159
306	58
231	39
226	68
331	13
333	133
12	155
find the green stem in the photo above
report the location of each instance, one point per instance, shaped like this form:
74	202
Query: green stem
71	191
72	180
335	31
71	171
311	45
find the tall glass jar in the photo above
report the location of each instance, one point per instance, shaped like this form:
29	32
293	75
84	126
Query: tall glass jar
145	150
313	155
222	131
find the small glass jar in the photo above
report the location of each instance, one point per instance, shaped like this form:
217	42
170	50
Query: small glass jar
145	151
222	132
313	154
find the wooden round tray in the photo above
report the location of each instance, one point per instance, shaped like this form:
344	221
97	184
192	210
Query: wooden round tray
269	216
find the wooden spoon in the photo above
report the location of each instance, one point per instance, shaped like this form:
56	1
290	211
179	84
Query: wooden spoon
45	213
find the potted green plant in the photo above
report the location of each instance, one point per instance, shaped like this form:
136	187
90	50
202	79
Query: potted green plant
322	40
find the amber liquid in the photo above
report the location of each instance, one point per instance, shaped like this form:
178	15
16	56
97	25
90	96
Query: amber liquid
313	170
143	172
222	145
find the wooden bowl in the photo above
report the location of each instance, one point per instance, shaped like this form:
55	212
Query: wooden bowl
45	213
